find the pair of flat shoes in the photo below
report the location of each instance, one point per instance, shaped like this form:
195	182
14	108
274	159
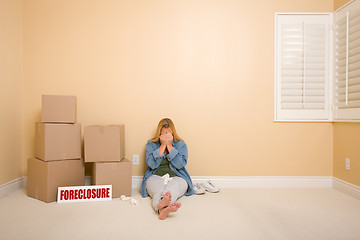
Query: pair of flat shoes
201	188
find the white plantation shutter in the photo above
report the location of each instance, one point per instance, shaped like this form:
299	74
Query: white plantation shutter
347	62
302	67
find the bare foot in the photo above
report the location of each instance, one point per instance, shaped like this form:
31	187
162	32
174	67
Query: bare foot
163	213
165	201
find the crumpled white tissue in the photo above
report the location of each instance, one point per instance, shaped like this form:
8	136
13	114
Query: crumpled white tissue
124	198
166	178
133	201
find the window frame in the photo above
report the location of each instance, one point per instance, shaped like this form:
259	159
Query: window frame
350	114
277	69
346	114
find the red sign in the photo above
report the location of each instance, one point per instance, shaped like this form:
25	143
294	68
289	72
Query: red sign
84	193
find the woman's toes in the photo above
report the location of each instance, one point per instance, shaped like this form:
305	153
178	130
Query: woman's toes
174	207
168	195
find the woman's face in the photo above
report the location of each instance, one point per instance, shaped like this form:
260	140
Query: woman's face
164	131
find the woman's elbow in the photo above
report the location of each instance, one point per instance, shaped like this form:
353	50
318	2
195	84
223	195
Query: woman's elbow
150	164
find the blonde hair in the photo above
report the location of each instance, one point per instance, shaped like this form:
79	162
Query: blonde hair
166	123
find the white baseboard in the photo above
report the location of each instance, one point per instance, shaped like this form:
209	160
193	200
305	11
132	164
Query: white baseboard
11	187
224	182
88	180
257	182
347	188
268	181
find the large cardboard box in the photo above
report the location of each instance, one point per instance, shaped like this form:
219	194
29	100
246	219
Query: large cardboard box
55	141
104	143
58	109
45	177
117	174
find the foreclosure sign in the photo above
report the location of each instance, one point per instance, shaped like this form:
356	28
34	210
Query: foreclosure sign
84	193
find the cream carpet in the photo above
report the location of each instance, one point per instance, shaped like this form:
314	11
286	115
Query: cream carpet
231	214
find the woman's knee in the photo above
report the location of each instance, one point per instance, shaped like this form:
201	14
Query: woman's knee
154	185
177	189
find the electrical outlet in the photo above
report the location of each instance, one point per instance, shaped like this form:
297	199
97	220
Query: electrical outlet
347	163
136	159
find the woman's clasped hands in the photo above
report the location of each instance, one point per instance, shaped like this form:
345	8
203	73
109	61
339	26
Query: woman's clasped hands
166	139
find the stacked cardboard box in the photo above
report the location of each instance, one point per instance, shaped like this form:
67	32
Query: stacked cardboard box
57	161
104	146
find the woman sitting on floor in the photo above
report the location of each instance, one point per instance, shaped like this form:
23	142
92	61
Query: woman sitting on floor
166	178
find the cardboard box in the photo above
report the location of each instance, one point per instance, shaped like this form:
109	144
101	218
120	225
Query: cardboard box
104	143
56	141
117	174
45	177
58	109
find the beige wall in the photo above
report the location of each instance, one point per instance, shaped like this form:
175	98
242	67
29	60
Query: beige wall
346	143
11	89
208	65
123	59
339	3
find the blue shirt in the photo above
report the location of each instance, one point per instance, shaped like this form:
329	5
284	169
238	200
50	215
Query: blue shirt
177	160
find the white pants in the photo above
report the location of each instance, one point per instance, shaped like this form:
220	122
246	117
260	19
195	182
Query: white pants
157	188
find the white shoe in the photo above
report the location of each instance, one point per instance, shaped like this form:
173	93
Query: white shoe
210	187
198	189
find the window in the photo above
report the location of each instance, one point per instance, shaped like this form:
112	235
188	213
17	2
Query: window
302	67
317	65
347	62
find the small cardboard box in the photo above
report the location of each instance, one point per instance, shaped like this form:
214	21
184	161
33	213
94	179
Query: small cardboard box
44	178
104	143
58	109
117	174
55	141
